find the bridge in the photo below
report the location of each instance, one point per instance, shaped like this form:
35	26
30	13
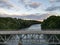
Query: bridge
30	32
40	37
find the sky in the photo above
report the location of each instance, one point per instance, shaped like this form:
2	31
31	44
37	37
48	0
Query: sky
27	7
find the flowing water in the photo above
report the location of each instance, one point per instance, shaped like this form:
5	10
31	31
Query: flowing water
34	42
30	41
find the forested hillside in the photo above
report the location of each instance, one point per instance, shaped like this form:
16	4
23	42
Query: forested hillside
53	22
14	23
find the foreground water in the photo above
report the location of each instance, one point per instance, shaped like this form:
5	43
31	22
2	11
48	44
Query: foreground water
37	41
29	41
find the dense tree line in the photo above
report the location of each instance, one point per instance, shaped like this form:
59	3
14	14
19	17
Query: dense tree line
14	23
7	23
53	22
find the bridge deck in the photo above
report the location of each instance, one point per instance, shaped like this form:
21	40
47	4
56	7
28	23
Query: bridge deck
29	32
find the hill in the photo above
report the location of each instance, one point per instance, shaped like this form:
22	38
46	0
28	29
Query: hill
15	24
53	22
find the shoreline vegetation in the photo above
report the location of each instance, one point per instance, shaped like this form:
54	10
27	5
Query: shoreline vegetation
8	23
51	23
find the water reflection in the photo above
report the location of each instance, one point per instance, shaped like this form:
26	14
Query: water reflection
29	40
33	27
34	41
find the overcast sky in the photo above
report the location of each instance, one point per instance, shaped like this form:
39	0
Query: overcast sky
26	7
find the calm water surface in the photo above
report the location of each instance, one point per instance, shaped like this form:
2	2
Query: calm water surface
34	42
29	41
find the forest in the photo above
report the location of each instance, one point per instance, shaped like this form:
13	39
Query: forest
8	23
52	22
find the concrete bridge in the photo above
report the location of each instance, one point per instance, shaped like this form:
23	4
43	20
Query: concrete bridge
5	36
30	32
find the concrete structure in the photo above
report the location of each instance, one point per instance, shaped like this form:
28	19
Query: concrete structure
30	32
6	36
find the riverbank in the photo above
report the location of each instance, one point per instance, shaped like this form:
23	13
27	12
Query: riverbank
52	23
7	23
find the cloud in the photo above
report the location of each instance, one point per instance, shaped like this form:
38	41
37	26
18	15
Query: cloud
25	1
53	8
57	0
4	11
34	5
7	12
54	5
29	16
5	4
8	5
54	1
30	3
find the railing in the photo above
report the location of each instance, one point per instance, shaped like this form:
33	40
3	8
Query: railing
30	32
40	37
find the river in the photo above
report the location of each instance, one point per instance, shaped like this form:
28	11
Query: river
34	42
28	42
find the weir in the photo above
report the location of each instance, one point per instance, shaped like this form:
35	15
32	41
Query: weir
34	36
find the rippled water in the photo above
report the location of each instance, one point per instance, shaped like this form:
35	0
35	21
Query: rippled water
37	41
29	41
